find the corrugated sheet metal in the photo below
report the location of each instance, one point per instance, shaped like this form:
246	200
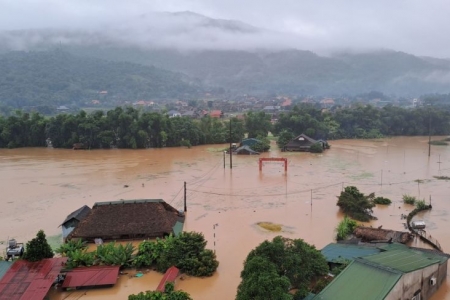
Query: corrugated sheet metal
4	267
30	280
170	276
91	276
360	281
404	260
178	228
337	252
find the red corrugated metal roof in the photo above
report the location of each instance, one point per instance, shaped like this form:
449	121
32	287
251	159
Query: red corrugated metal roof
91	276
170	276
30	280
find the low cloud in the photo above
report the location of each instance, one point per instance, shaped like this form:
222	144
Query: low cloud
413	26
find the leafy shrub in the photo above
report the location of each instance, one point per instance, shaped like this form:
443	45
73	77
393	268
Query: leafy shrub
168	294
421	205
186	143
382	200
107	254
345	227
71	246
316	148
321	284
407	199
80	258
185	251
262	146
342	264
114	255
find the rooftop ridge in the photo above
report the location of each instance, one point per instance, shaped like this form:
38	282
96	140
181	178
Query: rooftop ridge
128	202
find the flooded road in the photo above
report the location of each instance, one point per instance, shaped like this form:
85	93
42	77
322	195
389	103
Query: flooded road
39	187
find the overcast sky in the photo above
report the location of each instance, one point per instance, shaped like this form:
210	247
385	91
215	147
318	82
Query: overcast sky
414	26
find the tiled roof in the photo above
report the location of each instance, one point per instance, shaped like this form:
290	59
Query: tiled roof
145	218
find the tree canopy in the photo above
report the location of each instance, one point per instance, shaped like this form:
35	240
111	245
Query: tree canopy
272	268
356	204
38	248
185	251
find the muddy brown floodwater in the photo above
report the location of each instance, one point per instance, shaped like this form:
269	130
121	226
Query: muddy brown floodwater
39	187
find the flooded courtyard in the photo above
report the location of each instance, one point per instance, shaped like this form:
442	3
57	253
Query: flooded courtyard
39	187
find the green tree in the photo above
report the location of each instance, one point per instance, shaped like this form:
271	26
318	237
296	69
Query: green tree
296	260
284	137
257	124
260	281
262	146
185	251
356	204
38	248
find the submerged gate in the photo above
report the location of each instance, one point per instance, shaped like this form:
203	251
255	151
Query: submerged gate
261	160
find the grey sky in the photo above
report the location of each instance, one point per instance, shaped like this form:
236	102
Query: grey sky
414	26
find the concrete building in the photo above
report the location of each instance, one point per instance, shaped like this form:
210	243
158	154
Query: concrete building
396	273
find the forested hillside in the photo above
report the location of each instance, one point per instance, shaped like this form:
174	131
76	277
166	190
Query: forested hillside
58	77
294	71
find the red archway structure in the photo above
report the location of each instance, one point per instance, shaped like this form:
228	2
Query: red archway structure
261	160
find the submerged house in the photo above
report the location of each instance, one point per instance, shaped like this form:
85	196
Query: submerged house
245	150
304	143
396	272
249	142
73	220
131	219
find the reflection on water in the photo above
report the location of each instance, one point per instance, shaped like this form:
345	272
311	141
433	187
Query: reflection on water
41	186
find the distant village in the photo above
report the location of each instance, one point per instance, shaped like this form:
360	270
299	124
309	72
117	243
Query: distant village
220	106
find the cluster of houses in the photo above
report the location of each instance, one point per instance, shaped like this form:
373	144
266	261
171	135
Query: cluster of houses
389	271
105	221
374	271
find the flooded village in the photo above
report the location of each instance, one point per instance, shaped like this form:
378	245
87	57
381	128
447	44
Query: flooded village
226	204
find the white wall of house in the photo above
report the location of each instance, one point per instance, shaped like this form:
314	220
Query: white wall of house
414	281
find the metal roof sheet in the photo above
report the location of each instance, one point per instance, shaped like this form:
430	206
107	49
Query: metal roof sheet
4	267
405	260
360	281
335	252
91	276
79	214
170	276
30	280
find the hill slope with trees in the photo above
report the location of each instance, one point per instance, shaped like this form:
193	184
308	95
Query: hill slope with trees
57	77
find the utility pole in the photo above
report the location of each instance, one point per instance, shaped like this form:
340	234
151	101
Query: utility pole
231	152
224	154
185	207
429	132
214	232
